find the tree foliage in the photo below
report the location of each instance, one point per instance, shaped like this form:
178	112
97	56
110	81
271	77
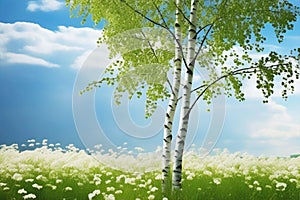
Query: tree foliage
233	24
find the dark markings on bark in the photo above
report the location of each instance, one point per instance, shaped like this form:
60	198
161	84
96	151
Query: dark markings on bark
183	129
169	137
179	167
189	71
181	142
177	60
168	116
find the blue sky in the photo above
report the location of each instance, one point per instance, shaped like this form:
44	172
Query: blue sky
41	52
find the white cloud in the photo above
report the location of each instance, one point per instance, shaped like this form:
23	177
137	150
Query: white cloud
272	131
29	43
15	58
278	125
44	5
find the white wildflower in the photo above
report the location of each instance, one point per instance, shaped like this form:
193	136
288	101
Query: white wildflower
208	173
42	178
281	186
107	181
93	194
5	188
138	177
292	180
110	197
29	196
108	173
217	181
68	188
130	181
17	177
22	191
255	183
258	188
3	184
118	178
29	180
58	181
165	198
151	197
190	176
37	186
53	187
268	186
154	189
149	181
110	189
97	192
119	192
98	182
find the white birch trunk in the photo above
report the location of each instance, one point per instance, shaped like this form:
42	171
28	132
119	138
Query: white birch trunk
184	113
167	142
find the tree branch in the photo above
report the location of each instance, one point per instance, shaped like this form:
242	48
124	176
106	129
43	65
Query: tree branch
203	40
144	16
185	17
157	60
236	72
173	35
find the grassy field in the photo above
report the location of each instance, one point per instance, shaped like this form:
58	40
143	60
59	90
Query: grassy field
50	172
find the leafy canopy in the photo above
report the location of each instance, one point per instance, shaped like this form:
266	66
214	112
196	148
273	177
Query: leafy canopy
142	33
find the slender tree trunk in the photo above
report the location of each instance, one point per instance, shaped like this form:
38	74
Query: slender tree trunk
167	142
184	114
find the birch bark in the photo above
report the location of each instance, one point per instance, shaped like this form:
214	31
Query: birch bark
167	142
184	113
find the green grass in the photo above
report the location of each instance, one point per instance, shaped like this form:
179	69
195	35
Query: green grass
55	173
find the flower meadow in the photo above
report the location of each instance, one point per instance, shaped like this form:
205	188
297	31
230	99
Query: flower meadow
48	171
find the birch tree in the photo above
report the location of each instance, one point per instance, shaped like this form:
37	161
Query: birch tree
218	36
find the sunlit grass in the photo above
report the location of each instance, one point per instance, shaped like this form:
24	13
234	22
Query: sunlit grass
52	172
